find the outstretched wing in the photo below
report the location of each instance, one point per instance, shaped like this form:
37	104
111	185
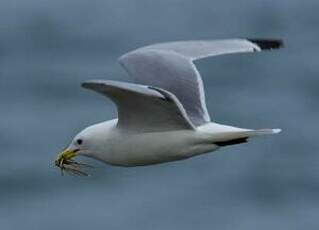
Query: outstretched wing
170	66
142	108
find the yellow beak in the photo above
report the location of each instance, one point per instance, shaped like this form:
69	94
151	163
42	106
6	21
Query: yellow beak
65	155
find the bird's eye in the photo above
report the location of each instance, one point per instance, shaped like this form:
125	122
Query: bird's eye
79	141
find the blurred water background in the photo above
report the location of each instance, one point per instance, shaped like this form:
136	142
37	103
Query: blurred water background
47	48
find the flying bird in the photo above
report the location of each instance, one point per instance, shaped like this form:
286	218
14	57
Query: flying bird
162	116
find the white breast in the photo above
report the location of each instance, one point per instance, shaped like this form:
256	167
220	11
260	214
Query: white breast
132	149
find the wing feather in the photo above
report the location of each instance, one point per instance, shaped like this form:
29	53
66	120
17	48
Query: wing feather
142	108
170	66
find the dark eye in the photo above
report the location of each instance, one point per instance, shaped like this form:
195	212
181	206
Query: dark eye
79	141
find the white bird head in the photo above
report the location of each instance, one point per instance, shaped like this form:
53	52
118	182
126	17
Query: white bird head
85	143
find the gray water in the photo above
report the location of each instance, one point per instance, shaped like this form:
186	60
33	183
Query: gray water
47	48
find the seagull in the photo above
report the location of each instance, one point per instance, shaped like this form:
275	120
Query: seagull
162	116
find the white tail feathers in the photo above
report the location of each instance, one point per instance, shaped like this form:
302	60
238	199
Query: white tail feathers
237	137
233	138
274	131
262	132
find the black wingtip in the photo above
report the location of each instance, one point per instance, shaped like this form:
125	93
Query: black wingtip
85	84
268	44
89	83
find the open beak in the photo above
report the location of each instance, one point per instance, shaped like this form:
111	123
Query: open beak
64	156
64	162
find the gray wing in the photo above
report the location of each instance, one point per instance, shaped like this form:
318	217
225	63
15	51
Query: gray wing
170	66
142	108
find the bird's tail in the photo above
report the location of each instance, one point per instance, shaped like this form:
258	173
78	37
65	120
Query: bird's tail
238	137
258	132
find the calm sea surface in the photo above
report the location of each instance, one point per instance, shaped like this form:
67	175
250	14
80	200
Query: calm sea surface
47	48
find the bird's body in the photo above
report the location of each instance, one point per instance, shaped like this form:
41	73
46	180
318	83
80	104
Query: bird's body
119	147
163	116
133	149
